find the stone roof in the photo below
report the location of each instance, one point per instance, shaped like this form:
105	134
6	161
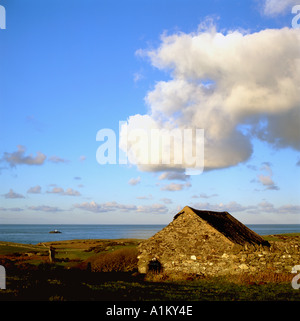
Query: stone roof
223	222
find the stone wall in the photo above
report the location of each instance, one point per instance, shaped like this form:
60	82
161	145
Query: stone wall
279	258
180	240
189	245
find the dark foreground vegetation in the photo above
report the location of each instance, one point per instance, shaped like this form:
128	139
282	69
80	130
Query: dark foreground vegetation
105	270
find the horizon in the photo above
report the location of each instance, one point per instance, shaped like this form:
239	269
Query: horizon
75	71
130	224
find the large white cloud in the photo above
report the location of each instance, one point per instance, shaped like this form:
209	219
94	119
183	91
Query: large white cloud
234	86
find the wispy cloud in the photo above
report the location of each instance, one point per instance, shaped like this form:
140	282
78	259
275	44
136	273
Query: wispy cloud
71	192
19	158
56	190
266	180
268	207
115	206
55	159
175	187
137	76
275	8
34	190
203	195
166	200
262	207
61	191
181	176
104	207
134	181
229	207
45	208
12	209
145	197
12	194
153	208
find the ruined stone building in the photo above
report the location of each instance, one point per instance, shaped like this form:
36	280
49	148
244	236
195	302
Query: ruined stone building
209	243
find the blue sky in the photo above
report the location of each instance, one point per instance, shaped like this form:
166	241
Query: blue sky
71	68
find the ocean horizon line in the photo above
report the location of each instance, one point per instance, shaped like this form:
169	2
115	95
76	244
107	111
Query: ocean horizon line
36	233
160	224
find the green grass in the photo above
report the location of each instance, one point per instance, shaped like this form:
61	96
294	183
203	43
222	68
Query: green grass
35	279
279	236
53	282
9	248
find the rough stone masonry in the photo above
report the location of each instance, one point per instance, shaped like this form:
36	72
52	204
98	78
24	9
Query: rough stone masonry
214	243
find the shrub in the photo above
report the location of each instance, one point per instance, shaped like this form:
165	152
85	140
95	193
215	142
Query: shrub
121	260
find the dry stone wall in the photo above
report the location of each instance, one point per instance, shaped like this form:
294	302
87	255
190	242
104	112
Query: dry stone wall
279	258
191	246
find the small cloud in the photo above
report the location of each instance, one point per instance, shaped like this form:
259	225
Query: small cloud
203	195
266	180
56	160
273	187
12	194
229	207
77	178
45	208
154	208
71	192
82	158
105	207
289	209
137	76
283	209
19	158
61	191
134	181
146	197
252	167
166	200
13	209
34	190
174	176
91	207
56	190
175	187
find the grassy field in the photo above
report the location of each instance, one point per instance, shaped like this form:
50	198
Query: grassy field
105	270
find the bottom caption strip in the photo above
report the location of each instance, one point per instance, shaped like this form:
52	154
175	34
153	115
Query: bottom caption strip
159	310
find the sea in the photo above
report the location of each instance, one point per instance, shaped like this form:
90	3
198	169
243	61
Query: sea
37	233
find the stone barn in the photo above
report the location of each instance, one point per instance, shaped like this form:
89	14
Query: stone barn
200	242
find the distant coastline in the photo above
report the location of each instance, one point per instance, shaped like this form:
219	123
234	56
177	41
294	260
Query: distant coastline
36	233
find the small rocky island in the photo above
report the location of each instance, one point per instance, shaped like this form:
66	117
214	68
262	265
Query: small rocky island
55	231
